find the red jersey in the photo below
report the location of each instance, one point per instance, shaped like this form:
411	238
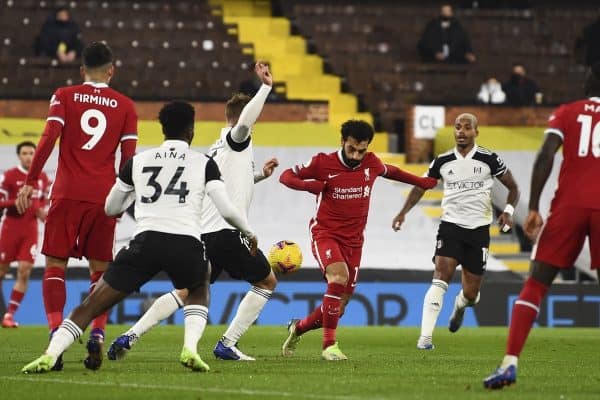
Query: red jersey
578	125
95	119
11	182
343	206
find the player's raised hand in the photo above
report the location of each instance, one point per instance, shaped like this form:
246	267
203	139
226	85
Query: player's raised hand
533	225
270	166
24	198
262	70
398	221
253	245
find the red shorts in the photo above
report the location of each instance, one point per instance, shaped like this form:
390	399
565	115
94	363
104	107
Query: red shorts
563	236
328	251
78	229
18	243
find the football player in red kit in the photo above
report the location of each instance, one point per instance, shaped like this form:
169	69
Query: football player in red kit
19	233
574	214
92	120
342	182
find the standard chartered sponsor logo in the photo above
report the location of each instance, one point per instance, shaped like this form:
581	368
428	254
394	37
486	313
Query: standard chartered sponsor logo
349	193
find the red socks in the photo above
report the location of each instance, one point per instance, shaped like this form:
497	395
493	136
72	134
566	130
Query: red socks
55	295
313	321
100	321
524	313
15	301
331	312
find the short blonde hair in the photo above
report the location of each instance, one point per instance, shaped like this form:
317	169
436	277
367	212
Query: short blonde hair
235	105
469	117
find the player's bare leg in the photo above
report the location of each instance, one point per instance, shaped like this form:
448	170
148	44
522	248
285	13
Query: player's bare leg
161	309
524	313
467	297
247	313
434	299
4	267
101	299
195	314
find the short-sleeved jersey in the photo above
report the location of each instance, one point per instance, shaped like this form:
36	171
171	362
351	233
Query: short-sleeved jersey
95	120
578	125
343	207
468	181
170	186
11	182
236	163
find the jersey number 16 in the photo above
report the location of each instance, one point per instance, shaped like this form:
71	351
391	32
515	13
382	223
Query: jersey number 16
584	136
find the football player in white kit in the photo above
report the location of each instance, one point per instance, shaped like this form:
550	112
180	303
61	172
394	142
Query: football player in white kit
169	185
467	172
227	247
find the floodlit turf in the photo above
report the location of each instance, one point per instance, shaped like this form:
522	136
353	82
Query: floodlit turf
383	364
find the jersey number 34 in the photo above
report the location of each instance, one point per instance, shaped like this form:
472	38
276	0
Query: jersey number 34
180	191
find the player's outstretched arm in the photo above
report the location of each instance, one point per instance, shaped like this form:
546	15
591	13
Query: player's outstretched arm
396	174
218	194
505	220
291	180
413	198
252	110
267	170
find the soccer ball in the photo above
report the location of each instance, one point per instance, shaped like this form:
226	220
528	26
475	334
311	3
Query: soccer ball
285	257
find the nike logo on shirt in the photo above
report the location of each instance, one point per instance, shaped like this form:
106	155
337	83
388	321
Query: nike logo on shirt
332	175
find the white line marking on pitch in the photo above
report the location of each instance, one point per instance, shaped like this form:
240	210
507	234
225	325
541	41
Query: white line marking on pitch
247	392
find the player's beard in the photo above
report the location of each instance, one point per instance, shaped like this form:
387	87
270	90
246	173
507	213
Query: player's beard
350	162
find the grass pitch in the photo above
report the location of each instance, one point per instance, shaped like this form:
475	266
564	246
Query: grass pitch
384	364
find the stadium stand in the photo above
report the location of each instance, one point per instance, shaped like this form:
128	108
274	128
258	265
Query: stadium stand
163	49
386	35
181	44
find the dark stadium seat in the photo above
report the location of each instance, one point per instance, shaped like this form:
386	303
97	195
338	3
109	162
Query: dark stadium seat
163	49
372	45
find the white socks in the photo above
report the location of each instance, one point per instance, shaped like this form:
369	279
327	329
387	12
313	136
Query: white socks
64	337
462	302
195	317
432	304
161	309
508	361
247	312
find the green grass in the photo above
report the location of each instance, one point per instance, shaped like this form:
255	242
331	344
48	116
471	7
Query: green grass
384	364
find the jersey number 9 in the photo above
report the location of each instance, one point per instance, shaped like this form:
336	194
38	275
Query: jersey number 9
96	132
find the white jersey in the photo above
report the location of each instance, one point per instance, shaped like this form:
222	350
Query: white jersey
170	188
236	164
468	182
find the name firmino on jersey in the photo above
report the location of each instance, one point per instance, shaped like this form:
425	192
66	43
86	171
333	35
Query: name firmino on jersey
169	154
92	99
